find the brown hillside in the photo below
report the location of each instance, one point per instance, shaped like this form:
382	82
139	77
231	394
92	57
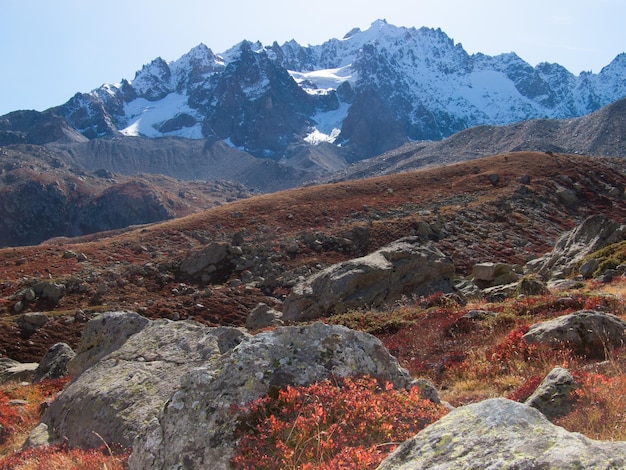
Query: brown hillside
508	207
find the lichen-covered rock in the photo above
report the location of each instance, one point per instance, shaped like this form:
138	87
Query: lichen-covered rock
594	233
103	335
404	267
500	434
123	391
197	425
586	331
552	396
53	365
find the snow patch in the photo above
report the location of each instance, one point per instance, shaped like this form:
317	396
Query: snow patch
317	137
145	117
322	82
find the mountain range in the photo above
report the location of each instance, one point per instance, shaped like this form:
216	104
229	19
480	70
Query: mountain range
379	101
366	93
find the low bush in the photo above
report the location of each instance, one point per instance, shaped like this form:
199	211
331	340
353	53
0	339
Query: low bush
352	423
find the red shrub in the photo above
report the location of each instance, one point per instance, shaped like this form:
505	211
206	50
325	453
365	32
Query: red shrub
59	457
353	424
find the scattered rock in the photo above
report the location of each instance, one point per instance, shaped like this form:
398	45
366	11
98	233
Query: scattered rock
530	285
31	322
552	395
497	434
53	365
494	274
14	371
402	268
589	332
263	316
212	255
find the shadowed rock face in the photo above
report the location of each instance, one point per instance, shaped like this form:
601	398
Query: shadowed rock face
500	433
404	267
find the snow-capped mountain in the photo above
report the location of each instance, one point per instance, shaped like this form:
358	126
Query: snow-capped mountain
368	92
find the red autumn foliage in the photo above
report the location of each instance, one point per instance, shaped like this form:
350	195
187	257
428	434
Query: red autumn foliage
351	424
59	457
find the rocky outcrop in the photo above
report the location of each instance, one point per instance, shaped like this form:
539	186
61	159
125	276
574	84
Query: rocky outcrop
404	267
589	332
500	433
594	233
196	427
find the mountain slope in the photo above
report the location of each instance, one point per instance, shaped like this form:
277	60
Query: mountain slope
470	214
598	134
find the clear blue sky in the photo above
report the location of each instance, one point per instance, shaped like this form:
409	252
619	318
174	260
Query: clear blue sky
51	49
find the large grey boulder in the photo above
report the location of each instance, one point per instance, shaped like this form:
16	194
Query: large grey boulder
586	331
117	396
404	267
500	434
196	428
594	233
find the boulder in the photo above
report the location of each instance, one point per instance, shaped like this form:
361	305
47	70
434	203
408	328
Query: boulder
103	335
205	260
502	434
14	371
594	233
123	391
53	365
196	428
552	396
30	322
263	316
404	267
493	274
588	332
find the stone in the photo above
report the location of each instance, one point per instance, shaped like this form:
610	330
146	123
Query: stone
493	274
53	365
119	395
17	372
212	255
263	316
530	285
196	428
38	437
103	335
31	321
594	233
502	434
552	396
588	332
404	267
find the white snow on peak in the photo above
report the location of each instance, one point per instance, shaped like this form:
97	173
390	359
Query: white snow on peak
144	117
321	82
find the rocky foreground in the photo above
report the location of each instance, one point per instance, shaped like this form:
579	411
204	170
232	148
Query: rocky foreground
173	390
